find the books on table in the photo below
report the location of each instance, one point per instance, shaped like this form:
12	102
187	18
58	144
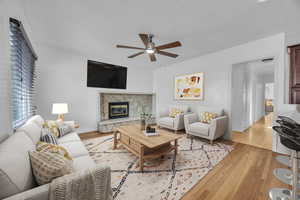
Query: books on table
150	134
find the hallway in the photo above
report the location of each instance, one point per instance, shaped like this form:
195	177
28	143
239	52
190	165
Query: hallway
258	135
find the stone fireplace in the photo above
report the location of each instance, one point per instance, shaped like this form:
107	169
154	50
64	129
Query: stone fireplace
123	108
118	110
137	103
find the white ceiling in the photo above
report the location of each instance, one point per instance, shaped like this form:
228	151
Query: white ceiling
94	27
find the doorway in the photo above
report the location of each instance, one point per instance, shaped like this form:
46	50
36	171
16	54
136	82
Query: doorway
252	103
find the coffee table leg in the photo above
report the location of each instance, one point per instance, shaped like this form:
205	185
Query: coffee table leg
176	147
115	139
142	158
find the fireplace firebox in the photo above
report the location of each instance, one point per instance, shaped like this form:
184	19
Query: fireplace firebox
118	110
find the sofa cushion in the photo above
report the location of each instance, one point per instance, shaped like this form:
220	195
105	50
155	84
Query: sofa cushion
75	149
83	162
37	119
32	130
15	168
199	127
168	121
71	137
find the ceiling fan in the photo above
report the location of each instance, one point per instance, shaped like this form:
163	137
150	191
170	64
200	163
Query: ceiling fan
151	49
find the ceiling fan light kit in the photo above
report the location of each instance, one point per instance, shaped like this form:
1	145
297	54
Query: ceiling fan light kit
151	49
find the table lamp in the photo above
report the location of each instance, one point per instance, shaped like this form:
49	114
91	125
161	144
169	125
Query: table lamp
60	109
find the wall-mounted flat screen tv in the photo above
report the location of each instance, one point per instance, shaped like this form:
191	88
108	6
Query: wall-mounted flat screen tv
103	75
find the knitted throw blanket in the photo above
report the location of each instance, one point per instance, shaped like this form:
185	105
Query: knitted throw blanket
90	184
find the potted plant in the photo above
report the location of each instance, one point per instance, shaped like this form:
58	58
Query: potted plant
145	117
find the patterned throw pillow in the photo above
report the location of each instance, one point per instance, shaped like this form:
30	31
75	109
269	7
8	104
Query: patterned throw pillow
52	148
47	166
174	112
49	138
64	129
53	126
207	117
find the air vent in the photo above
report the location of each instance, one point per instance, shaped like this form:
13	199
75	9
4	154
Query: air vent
267	59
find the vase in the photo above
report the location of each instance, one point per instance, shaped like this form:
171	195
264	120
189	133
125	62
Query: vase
143	124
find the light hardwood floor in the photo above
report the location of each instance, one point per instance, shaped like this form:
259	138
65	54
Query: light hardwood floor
245	174
259	134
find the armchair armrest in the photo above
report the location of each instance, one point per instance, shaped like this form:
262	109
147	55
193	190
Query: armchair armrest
37	193
189	119
218	127
179	121
164	113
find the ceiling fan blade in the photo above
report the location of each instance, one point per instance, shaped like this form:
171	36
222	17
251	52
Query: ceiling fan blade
137	54
152	57
167	54
144	38
129	47
169	45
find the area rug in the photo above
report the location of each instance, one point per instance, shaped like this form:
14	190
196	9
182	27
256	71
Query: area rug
167	179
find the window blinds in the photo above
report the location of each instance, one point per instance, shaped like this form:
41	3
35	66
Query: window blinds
23	74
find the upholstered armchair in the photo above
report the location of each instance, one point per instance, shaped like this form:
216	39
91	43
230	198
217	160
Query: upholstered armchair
215	129
173	123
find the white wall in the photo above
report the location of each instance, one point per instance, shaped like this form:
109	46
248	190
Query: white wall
248	93
258	92
257	78
62	78
239	97
269	91
217	68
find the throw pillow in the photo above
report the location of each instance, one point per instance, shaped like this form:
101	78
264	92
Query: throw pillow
207	117
49	138
45	131
52	148
53	127
64	129
47	166
174	112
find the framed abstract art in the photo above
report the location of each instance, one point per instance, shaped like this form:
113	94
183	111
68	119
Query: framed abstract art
189	87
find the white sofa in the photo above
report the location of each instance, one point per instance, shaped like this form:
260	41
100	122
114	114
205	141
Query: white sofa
176	123
16	179
215	129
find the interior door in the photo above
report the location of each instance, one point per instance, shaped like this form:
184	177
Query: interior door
294	74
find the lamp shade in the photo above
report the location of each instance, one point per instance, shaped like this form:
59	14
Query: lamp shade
60	108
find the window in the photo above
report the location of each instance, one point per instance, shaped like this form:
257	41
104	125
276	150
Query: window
23	74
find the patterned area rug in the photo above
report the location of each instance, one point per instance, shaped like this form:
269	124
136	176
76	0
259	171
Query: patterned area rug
168	178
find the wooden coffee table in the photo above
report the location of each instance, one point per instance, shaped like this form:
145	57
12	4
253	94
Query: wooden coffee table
145	147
